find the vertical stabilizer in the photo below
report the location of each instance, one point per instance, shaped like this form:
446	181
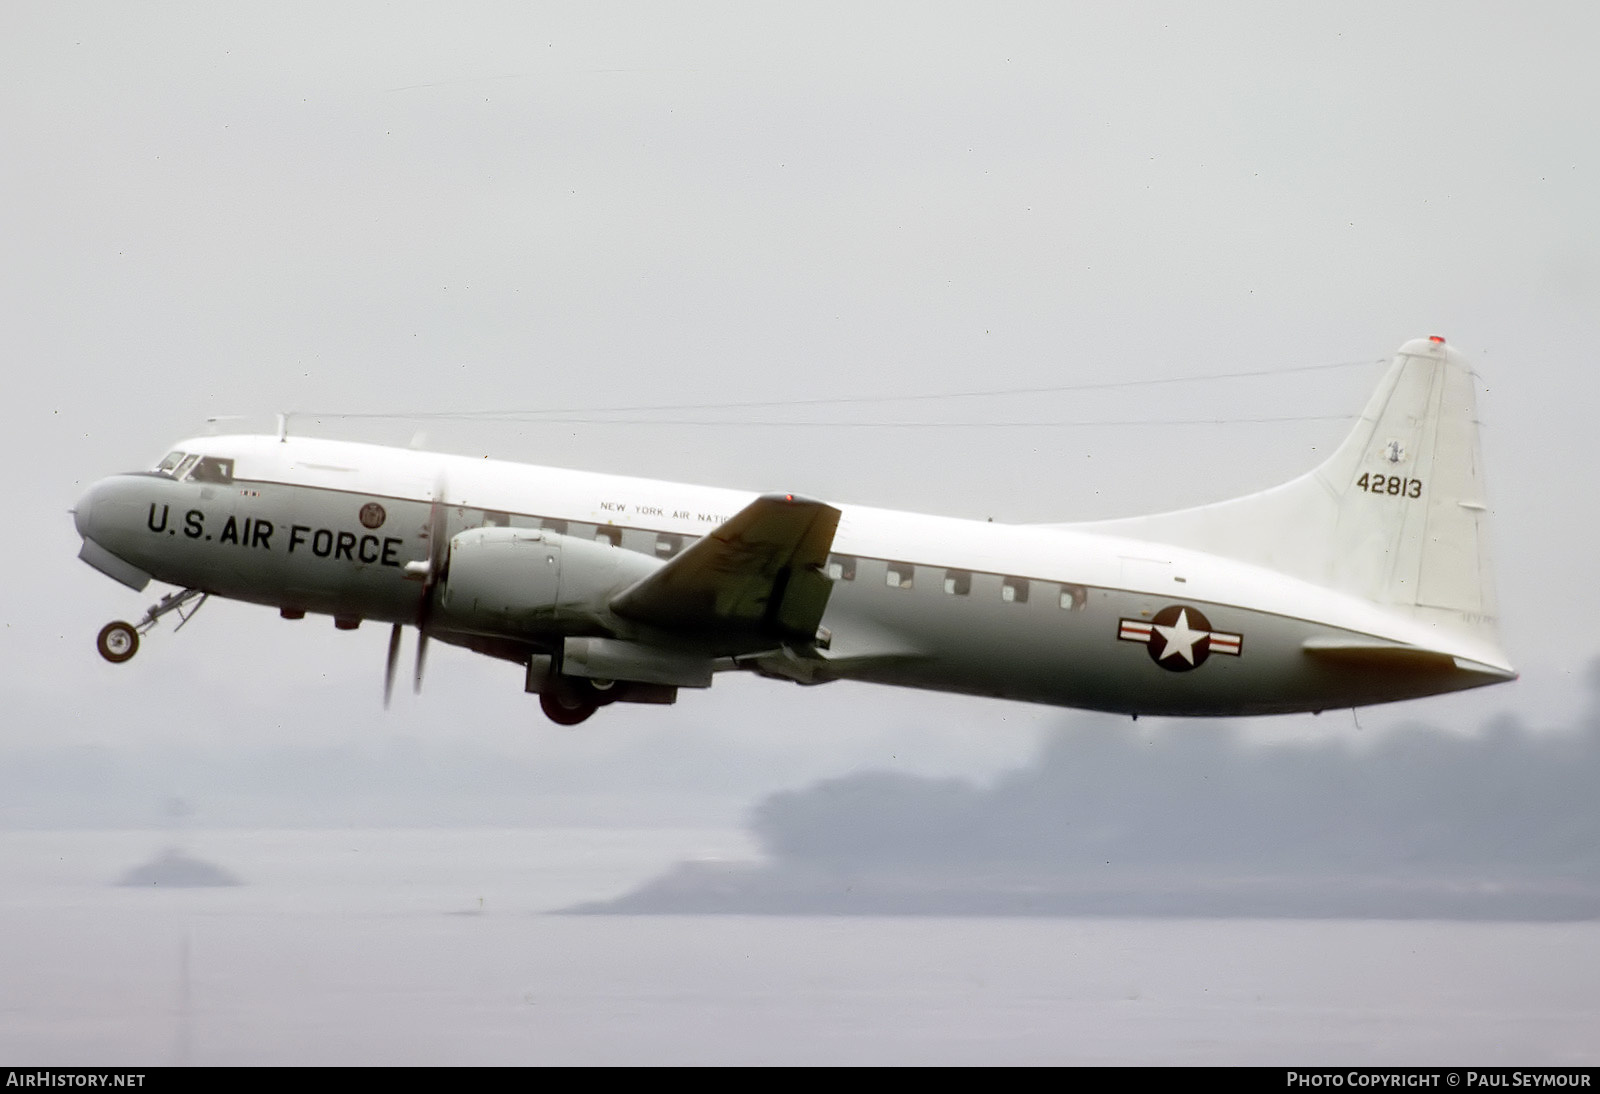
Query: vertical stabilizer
1396	515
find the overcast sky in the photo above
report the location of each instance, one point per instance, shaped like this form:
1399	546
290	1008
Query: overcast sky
363	207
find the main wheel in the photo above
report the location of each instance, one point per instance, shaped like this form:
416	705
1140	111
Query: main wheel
565	710
117	642
602	693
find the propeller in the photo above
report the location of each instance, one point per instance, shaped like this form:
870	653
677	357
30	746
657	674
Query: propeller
394	659
422	660
429	573
438	551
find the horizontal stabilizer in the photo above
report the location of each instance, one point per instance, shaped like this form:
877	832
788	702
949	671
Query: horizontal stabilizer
1381	656
1378	656
754	582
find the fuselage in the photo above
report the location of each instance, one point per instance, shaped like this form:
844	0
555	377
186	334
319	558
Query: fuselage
1040	614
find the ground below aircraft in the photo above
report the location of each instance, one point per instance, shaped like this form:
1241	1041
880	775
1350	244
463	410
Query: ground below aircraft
1366	580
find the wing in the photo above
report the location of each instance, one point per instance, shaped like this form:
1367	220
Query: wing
755	582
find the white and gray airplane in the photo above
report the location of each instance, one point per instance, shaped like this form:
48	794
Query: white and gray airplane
1366	580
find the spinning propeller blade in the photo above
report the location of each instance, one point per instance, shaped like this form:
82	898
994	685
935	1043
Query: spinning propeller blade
430	573
438	554
422	659
394	658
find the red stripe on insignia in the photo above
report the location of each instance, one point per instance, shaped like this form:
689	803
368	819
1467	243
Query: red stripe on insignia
1225	643
1131	630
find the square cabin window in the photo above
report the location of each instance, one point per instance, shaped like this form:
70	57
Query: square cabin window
957	582
1014	590
668	545
1074	597
493	519
841	568
607	533
549	524
900	575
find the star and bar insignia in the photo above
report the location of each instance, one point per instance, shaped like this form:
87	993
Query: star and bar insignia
1179	638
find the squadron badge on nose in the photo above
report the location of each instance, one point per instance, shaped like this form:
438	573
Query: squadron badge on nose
372	515
1179	637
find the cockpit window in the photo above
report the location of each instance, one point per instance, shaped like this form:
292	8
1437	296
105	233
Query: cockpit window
185	467
212	469
172	459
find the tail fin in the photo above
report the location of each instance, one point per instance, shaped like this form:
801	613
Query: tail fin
1395	516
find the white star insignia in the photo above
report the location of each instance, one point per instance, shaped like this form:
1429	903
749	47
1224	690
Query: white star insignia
1180	639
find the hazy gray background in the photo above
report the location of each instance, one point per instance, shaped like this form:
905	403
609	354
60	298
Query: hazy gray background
397	207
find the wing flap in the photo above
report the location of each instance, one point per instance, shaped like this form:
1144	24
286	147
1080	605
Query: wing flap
756	581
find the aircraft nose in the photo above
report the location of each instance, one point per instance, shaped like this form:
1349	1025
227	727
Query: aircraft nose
105	512
107	519
83	512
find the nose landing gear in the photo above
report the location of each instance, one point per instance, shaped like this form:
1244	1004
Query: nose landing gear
119	641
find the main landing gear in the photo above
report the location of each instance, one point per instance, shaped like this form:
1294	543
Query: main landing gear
119	641
568	700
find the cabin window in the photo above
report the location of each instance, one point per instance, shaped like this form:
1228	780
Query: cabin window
559	527
957	582
493	519
900	575
668	545
608	534
1074	597
1014	590
842	567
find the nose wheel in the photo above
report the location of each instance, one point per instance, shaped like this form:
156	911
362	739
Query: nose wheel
119	641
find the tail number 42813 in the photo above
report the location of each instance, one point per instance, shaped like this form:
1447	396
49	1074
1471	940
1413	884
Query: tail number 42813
1392	485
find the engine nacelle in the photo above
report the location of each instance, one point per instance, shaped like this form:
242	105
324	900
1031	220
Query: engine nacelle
529	581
